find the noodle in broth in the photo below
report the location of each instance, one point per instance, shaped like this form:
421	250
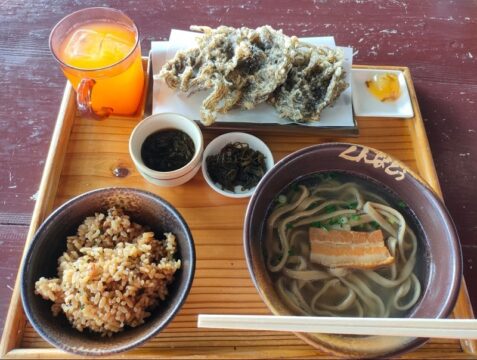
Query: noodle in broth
312	289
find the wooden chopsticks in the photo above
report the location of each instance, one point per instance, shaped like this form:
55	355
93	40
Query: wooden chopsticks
412	327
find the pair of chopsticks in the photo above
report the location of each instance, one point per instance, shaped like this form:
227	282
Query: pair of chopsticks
427	328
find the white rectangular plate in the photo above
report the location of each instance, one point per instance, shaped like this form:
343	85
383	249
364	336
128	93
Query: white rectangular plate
365	104
169	100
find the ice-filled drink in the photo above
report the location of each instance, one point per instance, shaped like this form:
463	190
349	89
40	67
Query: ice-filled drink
99	51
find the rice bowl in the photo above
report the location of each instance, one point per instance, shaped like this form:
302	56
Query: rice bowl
49	244
112	273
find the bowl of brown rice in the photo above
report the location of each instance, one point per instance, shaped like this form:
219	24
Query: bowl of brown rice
107	270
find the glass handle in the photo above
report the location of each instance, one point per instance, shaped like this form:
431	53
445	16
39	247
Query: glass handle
83	99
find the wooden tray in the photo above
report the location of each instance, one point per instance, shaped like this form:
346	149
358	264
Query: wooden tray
86	155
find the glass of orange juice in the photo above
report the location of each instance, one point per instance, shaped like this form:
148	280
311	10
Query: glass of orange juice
99	52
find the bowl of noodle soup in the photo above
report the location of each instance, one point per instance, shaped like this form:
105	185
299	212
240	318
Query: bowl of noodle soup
350	231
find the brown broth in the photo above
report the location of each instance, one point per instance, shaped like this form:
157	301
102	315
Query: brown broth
421	268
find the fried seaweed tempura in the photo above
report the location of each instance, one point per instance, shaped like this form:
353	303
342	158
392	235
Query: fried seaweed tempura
245	67
315	80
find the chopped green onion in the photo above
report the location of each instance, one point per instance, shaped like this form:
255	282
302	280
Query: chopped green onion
355	217
343	220
333	222
402	204
374	225
353	205
282	199
330	208
316	224
325	176
289	226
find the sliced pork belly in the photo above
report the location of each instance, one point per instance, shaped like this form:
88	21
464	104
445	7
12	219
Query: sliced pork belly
349	249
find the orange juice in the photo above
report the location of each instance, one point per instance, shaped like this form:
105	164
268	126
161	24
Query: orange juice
107	53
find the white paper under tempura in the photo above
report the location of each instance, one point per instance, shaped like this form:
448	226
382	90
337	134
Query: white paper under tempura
166	99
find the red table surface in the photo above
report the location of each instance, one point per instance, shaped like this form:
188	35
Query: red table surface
437	40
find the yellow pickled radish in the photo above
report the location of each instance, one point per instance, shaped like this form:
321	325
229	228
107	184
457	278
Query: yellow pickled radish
385	87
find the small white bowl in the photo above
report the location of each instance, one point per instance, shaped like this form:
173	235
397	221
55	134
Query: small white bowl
218	143
164	121
173	182
365	104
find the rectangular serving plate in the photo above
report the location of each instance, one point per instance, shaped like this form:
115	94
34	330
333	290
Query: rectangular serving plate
243	124
83	156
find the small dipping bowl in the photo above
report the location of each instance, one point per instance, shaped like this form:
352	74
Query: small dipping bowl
365	104
166	121
218	144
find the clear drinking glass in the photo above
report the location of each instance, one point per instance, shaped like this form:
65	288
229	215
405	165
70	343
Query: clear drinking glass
99	52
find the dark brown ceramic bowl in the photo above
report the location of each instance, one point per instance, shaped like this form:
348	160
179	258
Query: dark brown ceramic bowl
50	241
438	250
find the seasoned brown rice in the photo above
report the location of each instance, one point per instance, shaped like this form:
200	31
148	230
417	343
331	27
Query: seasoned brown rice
111	275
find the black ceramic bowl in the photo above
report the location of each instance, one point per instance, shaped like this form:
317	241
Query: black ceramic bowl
438	249
50	241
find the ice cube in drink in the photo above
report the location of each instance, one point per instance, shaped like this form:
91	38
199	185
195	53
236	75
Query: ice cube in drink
114	48
84	44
